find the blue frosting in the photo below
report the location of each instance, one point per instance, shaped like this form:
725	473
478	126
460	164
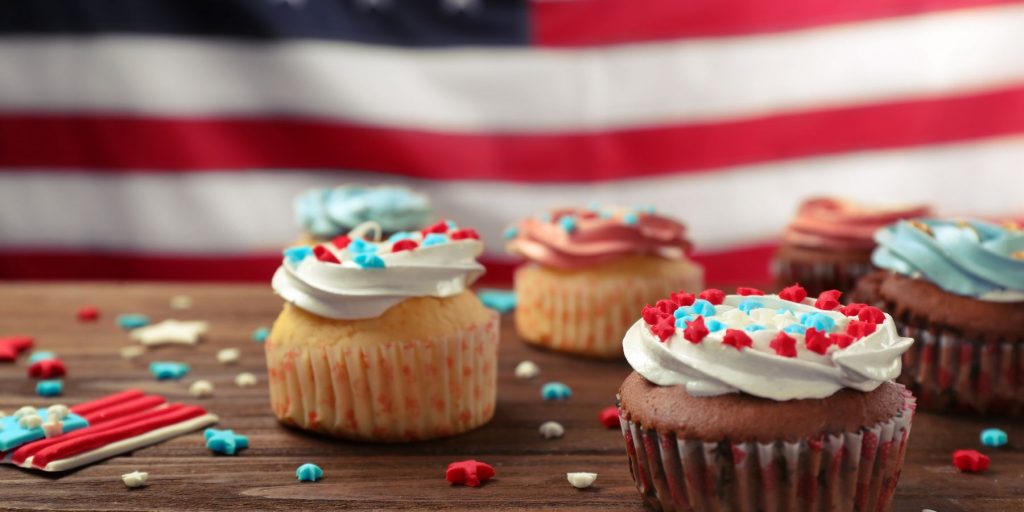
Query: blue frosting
12	435
971	258
328	212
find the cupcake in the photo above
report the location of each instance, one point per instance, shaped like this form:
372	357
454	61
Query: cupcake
589	270
958	288
828	245
383	341
324	213
764	402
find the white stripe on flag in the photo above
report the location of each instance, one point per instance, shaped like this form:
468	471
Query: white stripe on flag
521	89
232	212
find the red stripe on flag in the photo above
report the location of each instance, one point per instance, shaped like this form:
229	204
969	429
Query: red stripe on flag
127	144
735	266
599	22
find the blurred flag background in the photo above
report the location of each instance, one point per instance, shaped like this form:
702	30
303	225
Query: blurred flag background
166	139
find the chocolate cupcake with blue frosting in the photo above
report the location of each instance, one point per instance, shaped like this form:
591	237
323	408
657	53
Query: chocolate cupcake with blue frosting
324	213
957	287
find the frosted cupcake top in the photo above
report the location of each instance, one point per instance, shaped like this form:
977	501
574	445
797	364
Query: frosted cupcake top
971	258
841	225
352	278
780	347
327	212
572	238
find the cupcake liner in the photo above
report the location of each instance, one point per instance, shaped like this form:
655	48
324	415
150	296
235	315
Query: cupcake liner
587	317
850	471
396	391
820	276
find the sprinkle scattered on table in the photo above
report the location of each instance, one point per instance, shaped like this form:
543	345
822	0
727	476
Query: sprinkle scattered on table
228	355
201	389
245	380
469	472
181	302
53	387
527	370
581	480
994	437
135	479
970	461
260	334
225	441
170	332
129	321
11	346
609	416
501	301
555	391
132	351
551	430
88	314
47	369
41	355
309	473
166	370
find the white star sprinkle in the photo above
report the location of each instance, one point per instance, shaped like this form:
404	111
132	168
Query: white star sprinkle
59	411
132	351
181	302
170	332
244	380
581	480
53	428
201	389
228	355
135	478
551	430
30	421
527	370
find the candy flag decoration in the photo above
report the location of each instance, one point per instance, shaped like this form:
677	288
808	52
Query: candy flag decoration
96	430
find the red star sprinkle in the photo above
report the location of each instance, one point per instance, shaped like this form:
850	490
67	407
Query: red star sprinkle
465	234
666	306
651	315
11	346
609	416
859	329
871	314
47	369
783	345
341	241
665	328
323	254
815	341
795	293
840	339
469	472
695	330
743	290
852	309
970	461
440	227
682	298
713	295
88	313
828	300
737	339
404	245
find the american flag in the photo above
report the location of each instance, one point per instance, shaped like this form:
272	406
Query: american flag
166	139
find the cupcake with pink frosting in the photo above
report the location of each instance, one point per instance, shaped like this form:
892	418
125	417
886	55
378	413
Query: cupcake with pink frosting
590	268
828	245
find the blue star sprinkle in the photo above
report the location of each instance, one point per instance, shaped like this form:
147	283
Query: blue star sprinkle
713	325
501	301
749	305
131	321
225	441
630	219
434	239
794	329
309	473
167	370
369	261
568	223
360	246
295	255
41	355
510	232
555	391
820	321
260	334
50	387
703	308
753	328
994	437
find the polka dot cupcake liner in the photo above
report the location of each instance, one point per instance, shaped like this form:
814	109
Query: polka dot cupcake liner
587	317
820	276
846	471
405	390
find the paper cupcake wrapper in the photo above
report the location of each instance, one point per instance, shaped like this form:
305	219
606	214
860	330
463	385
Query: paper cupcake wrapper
949	372
850	472
587	317
821	276
404	390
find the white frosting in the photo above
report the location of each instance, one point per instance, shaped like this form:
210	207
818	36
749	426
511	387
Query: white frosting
347	291
712	368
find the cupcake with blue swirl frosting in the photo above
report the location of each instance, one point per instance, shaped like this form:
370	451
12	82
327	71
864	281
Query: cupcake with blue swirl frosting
324	213
957	286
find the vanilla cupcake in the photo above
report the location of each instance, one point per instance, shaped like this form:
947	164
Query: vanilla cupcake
383	341
324	213
588	272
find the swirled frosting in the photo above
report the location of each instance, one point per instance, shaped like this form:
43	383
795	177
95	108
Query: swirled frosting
766	346
328	212
841	225
351	278
972	258
572	238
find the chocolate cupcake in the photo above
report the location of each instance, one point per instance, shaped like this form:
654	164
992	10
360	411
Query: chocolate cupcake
828	245
753	402
958	288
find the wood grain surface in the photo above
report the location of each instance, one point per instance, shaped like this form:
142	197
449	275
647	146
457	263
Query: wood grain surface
184	475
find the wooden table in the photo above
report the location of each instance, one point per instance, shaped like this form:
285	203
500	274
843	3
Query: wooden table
184	475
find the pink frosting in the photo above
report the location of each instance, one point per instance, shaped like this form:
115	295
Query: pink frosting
837	224
596	240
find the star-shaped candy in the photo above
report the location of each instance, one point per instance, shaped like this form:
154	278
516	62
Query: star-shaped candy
737	339
47	369
225	441
309	473
581	480
783	345
166	370
469	472
135	478
665	328
815	341
11	346
170	332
